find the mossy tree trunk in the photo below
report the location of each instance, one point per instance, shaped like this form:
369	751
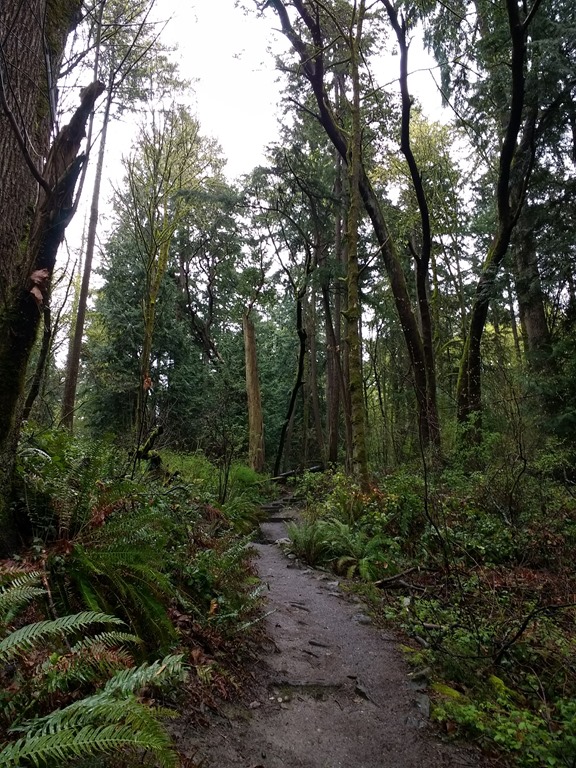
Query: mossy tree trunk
256	455
535	331
35	198
353	309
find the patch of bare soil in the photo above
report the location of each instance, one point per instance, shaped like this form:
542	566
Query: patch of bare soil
331	690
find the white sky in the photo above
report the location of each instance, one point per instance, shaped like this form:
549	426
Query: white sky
227	56
226	53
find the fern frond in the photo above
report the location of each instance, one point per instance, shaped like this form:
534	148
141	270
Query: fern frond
26	637
73	669
13	599
101	708
19	578
60	747
110	639
126	580
116	702
129	680
18	592
110	720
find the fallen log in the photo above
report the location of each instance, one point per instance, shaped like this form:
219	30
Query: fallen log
296	473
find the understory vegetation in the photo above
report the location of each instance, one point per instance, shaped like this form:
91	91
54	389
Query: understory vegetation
135	592
476	567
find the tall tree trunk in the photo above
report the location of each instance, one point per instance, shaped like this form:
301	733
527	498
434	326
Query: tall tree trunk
313	379
429	424
530	296
513	322
51	327
333	359
32	35
40	365
301	330
156	269
75	348
353	309
255	419
515	166
36	197
312	63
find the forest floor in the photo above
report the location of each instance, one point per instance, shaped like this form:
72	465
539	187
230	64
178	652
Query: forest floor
330	689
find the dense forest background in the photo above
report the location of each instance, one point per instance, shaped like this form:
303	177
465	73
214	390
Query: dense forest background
443	305
388	298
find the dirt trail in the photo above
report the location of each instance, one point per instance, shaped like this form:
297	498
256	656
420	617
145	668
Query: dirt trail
332	690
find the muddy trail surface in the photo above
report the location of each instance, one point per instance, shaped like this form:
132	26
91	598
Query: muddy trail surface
331	691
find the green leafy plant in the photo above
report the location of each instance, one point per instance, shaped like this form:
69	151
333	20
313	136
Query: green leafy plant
357	553
120	567
50	657
531	739
308	542
348	550
219	588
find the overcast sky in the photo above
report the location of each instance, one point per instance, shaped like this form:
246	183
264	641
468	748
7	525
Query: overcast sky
226	53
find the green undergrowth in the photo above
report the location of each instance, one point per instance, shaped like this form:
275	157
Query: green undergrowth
476	567
72	691
238	495
158	567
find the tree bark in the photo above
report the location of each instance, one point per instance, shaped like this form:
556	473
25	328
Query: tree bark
530	296
333	359
36	195
301	330
256	453
27	101
353	309
40	365
313	379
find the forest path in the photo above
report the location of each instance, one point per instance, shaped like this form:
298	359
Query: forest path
332	690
